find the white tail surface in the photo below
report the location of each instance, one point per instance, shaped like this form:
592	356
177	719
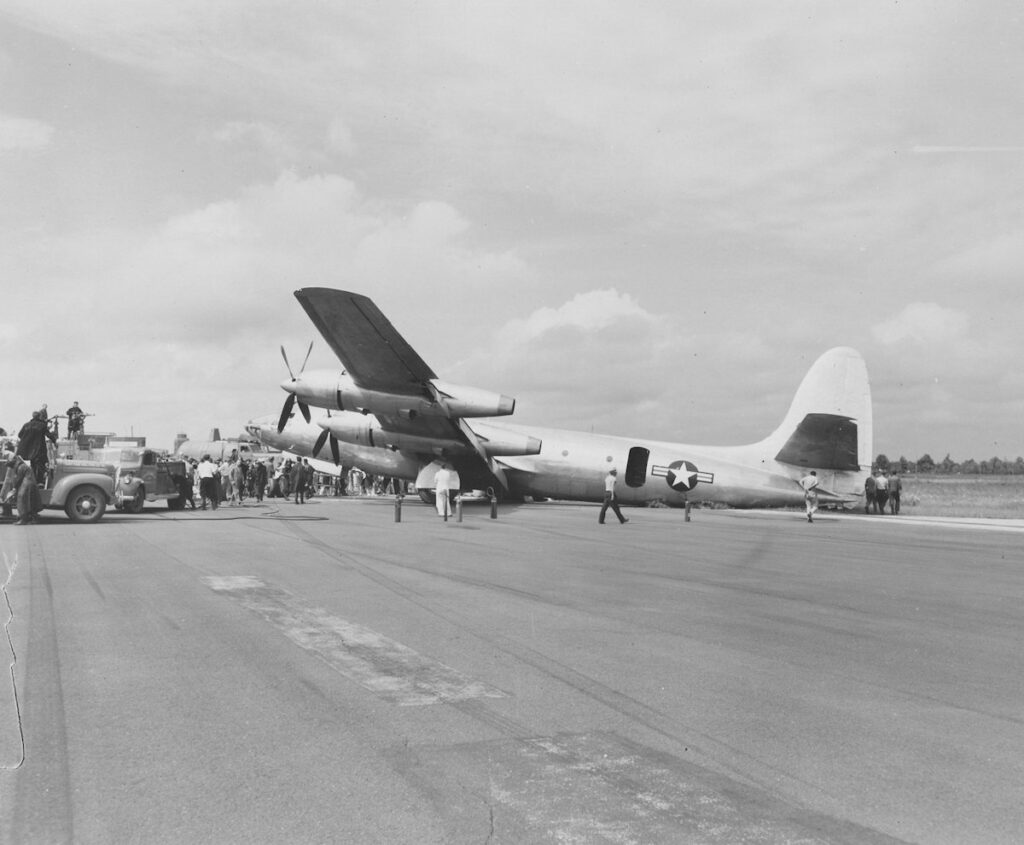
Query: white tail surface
817	430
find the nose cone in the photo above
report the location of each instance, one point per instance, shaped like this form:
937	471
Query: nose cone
289	385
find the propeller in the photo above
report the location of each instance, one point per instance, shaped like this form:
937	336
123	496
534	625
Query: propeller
289	403
324	435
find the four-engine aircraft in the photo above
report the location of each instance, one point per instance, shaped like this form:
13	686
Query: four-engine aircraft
397	418
219	448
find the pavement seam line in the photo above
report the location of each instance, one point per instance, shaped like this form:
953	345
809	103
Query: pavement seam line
14	661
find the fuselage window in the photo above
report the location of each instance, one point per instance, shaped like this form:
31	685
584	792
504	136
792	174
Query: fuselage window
636	466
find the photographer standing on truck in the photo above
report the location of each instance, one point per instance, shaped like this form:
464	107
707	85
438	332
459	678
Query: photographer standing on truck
76	421
32	444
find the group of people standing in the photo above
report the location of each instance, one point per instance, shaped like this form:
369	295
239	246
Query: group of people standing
216	482
881	488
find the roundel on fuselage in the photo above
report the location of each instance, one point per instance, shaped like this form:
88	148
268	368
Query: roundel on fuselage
681	476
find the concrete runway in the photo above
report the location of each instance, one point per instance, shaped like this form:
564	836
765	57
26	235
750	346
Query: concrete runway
323	674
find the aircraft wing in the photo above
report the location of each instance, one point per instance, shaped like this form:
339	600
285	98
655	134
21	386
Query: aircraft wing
375	355
379	359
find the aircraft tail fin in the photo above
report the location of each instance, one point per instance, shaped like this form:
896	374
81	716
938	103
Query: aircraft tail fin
829	424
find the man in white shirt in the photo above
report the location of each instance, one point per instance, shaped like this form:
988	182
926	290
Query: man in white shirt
810	484
207	489
609	497
443	480
881	490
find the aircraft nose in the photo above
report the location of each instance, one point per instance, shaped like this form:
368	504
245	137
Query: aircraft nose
257	423
289	385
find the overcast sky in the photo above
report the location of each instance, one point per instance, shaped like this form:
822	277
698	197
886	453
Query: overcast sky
638	219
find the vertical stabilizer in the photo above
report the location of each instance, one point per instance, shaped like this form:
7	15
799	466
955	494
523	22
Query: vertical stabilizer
829	424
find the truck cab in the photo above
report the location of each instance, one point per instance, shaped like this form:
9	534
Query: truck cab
144	476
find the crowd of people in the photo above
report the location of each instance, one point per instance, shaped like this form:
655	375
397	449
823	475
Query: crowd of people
209	483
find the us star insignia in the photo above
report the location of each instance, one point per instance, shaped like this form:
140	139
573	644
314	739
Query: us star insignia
682	476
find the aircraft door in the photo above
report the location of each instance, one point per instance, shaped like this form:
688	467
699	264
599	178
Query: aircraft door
636	466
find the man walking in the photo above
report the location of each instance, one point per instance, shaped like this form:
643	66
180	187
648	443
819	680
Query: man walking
810	484
609	497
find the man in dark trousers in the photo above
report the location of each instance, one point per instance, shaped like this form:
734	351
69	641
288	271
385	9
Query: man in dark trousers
895	486
609	497
869	494
32	444
76	418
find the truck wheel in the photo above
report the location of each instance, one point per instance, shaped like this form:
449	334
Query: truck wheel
86	504
138	502
177	503
428	497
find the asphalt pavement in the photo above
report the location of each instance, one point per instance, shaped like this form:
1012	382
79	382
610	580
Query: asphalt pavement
323	673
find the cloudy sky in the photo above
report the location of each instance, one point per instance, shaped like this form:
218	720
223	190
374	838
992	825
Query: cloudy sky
637	219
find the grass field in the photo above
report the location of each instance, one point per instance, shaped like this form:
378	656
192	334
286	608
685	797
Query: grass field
991	496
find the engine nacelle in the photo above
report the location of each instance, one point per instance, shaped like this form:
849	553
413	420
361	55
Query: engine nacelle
360	430
498	441
337	391
460	401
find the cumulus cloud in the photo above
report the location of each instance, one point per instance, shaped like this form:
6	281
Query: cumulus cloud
204	299
261	137
21	133
591	311
924	323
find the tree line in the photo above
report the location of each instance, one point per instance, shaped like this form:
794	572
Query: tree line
947	466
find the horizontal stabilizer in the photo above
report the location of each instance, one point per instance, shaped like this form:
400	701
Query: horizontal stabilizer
823	441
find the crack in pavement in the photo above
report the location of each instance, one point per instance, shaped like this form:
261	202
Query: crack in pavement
11	567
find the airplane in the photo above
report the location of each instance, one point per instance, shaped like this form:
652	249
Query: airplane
306	439
219	448
394	403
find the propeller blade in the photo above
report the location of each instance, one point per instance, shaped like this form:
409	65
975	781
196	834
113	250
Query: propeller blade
286	412
320	442
289	366
302	369
334	450
305	410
